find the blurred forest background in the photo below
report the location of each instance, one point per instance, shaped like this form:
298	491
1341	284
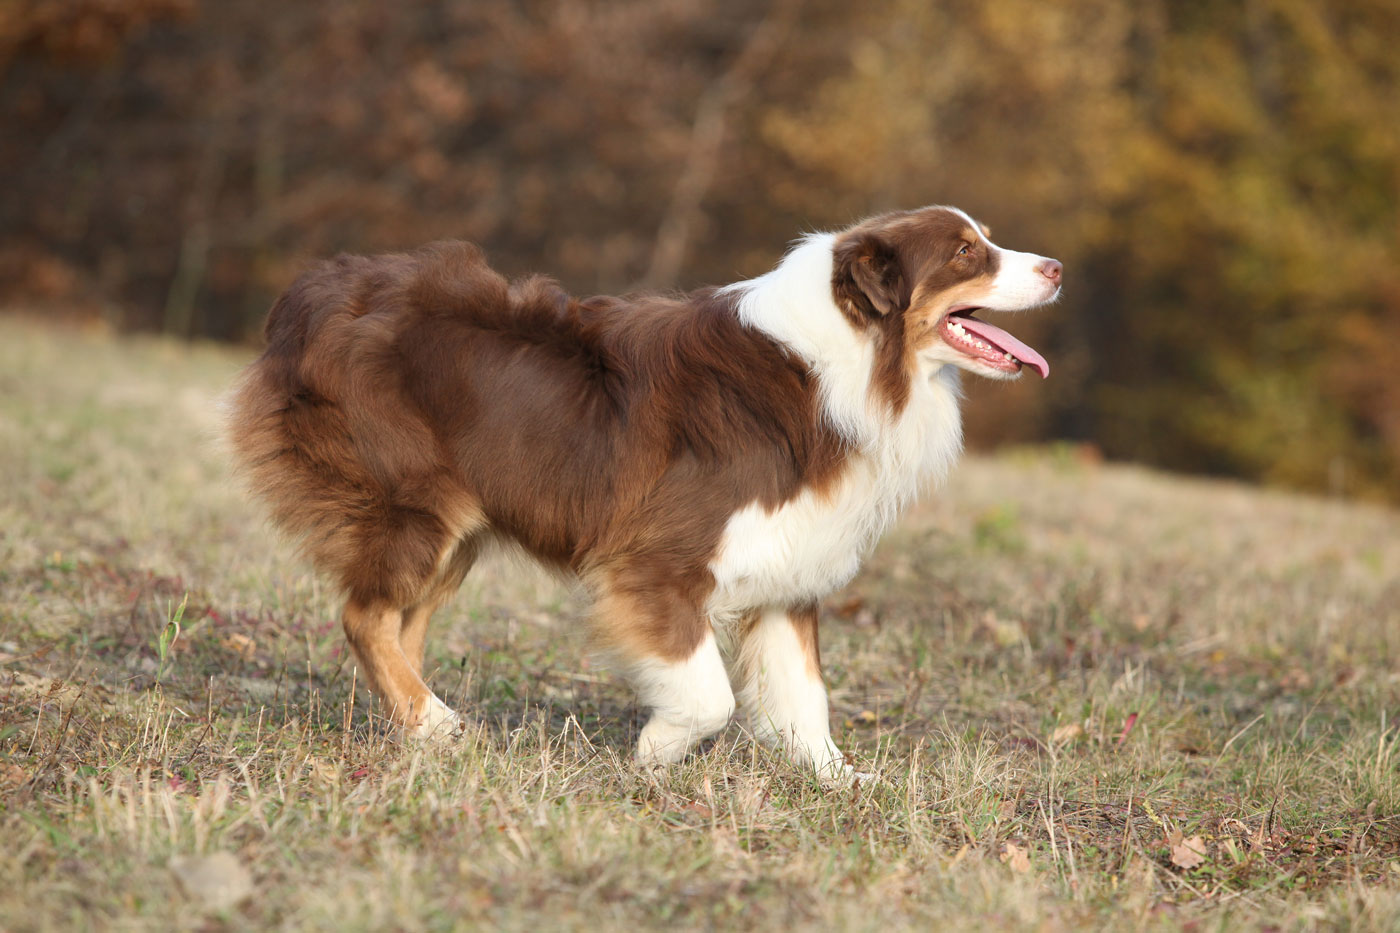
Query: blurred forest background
1220	177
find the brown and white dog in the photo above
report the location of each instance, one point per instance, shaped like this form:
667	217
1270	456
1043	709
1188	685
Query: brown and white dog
709	466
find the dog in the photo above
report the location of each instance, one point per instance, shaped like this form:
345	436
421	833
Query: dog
709	466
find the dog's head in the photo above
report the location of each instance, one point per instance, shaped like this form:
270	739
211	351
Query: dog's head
920	276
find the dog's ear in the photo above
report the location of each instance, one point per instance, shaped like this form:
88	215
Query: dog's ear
867	278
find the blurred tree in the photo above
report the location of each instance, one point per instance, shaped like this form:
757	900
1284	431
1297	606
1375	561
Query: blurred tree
1222	179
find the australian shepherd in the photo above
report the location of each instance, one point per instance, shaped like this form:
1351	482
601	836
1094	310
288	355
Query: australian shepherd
709	466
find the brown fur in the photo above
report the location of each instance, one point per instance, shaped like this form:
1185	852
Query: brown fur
408	407
885	271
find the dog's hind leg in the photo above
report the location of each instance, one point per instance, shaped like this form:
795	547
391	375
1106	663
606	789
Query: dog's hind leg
408	557
373	630
416	617
781	690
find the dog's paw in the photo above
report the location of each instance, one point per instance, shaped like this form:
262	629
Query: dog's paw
660	745
838	774
439	723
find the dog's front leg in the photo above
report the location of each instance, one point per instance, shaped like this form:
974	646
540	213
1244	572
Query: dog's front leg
669	652
690	700
781	690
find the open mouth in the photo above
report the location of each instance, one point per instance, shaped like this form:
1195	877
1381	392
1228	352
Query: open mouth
988	344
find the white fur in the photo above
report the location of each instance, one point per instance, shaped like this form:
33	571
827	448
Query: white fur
690	700
786	705
814	543
438	721
1018	284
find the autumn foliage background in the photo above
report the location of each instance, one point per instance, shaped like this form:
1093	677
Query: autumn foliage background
1221	179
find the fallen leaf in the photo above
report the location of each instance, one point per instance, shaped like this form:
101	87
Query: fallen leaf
1066	733
241	645
865	718
219	880
1016	857
1189	853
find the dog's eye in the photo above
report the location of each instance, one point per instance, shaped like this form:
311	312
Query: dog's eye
966	248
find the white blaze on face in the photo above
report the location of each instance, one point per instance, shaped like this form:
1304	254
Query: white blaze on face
1019	282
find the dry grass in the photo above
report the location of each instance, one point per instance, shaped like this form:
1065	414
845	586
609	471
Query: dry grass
1054	665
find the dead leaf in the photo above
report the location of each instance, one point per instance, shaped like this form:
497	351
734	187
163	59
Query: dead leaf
241	645
1066	733
865	718
1188	853
1017	858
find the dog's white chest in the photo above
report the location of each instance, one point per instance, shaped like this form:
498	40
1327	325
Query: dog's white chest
800	551
813	544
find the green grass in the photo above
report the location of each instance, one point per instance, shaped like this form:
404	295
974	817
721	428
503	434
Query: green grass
1049	656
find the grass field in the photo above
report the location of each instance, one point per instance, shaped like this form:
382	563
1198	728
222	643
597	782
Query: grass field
1095	696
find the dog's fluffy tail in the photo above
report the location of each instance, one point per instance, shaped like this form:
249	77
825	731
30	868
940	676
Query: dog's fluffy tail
321	430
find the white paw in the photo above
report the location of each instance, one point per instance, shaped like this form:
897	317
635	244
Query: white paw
662	744
844	776
826	760
438	722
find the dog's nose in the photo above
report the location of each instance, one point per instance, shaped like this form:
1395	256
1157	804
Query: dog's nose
1051	269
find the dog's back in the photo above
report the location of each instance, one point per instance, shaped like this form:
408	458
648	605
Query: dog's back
406	401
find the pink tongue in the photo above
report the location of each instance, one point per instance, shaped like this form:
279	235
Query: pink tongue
1010	344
